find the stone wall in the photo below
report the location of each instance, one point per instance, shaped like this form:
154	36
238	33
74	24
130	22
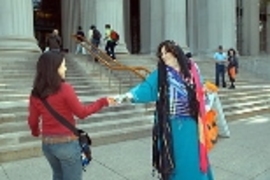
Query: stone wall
258	65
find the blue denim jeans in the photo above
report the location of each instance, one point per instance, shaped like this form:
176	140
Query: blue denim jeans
64	159
220	71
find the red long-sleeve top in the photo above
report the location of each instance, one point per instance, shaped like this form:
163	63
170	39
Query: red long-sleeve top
66	103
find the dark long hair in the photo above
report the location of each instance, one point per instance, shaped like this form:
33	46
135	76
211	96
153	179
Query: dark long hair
233	50
47	80
183	62
163	159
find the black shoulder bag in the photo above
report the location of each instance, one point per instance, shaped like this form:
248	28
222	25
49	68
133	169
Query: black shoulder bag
84	139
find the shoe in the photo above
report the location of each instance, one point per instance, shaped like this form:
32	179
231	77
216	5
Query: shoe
231	87
223	136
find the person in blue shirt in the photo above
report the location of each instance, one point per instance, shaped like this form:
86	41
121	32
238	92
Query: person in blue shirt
221	60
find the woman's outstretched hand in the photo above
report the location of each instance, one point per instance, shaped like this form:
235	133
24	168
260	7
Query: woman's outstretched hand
111	101
123	98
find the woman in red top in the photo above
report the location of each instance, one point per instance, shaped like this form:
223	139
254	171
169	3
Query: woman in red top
60	146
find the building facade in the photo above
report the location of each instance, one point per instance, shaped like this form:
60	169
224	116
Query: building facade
197	25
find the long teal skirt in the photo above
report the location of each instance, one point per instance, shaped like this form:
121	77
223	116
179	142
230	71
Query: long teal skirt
186	151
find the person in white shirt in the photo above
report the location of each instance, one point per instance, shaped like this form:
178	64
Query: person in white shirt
221	60
90	33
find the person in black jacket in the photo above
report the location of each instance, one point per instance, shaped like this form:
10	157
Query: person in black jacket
80	34
232	67
94	35
54	41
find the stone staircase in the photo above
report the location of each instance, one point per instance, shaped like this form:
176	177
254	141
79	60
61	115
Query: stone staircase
112	124
250	98
92	81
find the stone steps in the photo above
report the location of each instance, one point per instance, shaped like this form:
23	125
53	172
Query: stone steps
33	148
9	119
250	97
8	107
19	133
240	105
112	124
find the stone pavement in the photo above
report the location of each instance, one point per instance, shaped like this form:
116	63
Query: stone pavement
244	156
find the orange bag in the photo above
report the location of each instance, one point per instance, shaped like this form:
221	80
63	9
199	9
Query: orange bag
211	130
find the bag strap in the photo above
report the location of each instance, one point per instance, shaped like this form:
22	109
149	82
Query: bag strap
60	118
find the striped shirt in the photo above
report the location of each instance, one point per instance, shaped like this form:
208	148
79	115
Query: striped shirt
178	95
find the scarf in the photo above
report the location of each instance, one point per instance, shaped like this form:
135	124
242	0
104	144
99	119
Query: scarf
163	160
204	163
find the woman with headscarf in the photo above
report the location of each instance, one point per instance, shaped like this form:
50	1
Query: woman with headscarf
179	149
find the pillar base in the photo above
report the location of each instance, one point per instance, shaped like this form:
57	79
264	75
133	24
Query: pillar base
121	48
18	44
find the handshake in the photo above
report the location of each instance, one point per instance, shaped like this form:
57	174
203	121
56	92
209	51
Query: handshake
119	99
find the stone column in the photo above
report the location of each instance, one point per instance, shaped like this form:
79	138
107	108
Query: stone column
17	31
145	16
215	25
192	26
127	25
203	29
268	28
112	12
221	24
88	15
251	34
70	22
228	23
156	23
175	21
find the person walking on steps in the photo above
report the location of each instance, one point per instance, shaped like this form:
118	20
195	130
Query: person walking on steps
111	38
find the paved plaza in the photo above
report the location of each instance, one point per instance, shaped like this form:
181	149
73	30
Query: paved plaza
244	156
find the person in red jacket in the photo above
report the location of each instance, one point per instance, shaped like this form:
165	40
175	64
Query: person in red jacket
60	146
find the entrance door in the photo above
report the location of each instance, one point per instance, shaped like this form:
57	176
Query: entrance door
47	16
135	26
263	26
239	25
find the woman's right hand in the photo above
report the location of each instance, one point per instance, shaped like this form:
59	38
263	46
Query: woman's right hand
111	101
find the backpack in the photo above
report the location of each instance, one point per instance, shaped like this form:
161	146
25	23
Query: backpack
96	34
114	36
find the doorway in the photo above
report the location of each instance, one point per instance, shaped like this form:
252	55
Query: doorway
263	26
239	25
135	29
47	16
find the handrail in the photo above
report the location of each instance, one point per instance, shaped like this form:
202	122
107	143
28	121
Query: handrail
110	63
